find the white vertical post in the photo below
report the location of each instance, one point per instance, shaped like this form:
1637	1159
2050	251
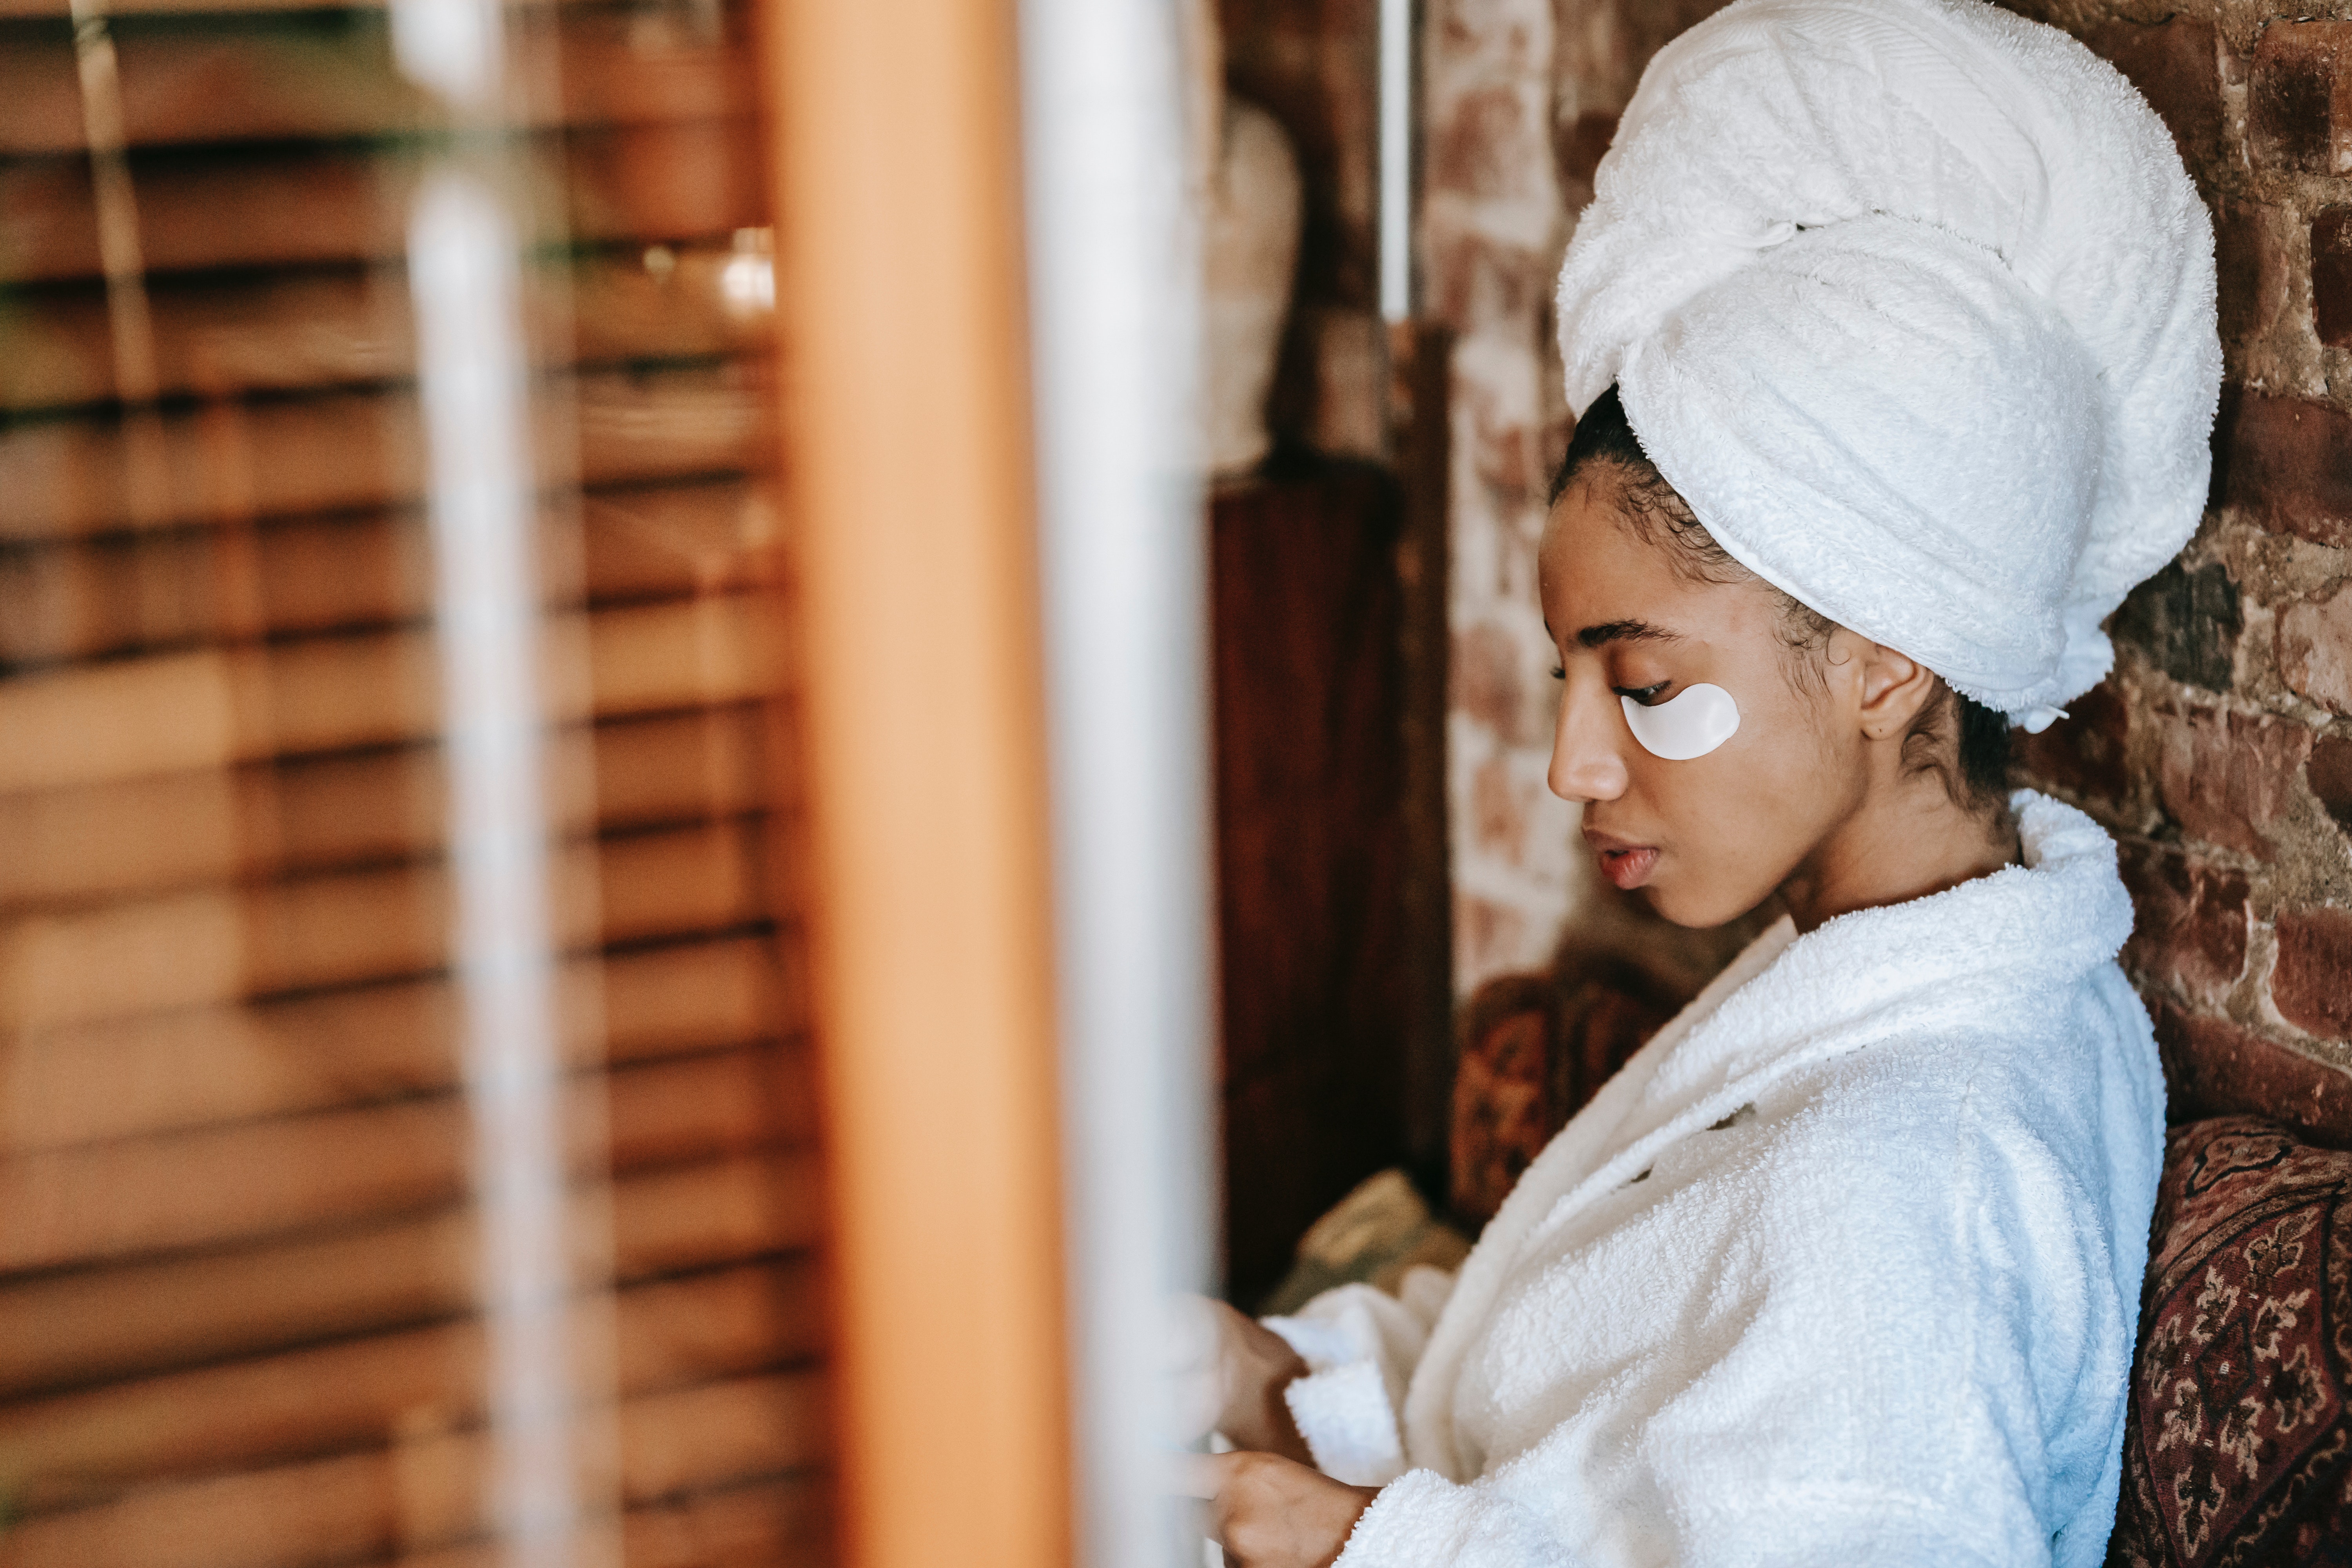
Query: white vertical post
463	274
1114	273
1396	159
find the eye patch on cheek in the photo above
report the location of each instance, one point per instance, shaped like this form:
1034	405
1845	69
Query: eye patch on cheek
1697	720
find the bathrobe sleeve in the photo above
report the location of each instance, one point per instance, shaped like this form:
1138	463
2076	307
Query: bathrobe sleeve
1897	1339
1361	1346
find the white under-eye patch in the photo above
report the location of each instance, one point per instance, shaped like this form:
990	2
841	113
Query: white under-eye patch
1697	720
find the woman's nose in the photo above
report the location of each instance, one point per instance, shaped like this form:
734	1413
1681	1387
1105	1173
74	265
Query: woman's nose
1586	762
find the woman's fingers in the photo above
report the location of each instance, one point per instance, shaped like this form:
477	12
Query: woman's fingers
1270	1512
1199	1475
1192	1340
1192	1331
1226	1372
1195	1402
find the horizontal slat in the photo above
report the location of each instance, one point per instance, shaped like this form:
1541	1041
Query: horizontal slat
196	949
142	1317
72	1450
301	78
180	712
777	1524
149	836
274	208
278	332
427	1492
140	593
278	1178
235	462
54	10
177	1072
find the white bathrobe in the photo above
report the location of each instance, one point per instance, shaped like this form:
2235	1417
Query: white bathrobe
1843	1268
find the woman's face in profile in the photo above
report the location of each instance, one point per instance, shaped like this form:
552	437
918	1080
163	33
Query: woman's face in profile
1710	838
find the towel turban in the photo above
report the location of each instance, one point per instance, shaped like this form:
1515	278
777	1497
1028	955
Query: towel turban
1912	301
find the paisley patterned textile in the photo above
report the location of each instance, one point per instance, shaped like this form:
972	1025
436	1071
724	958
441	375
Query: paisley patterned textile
2239	1450
1533	1050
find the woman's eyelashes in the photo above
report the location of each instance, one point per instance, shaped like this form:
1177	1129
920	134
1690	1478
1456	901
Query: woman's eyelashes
1647	696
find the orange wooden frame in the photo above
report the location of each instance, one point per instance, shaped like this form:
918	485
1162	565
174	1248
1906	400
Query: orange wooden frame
908	459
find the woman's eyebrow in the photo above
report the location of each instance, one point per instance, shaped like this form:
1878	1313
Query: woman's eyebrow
1625	631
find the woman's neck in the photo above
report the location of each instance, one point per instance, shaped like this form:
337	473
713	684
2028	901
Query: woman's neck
1904	840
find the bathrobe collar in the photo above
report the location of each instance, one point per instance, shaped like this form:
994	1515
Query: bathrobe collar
1863	975
1787	1002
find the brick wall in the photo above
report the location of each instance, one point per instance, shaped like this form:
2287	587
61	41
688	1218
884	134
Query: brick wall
1521	99
1493	223
2220	751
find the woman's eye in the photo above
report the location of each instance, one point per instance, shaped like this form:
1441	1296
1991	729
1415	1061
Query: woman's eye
1559	672
1647	696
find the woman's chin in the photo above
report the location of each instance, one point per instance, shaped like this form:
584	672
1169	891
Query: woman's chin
1699	908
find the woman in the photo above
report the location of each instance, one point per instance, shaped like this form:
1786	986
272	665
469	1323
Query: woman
1891	330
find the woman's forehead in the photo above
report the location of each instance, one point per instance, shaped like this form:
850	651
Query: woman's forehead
1589	553
1604	581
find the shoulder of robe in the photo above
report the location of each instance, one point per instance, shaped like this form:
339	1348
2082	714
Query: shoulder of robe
1915	1129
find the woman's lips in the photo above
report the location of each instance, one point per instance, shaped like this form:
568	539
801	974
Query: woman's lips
1626	865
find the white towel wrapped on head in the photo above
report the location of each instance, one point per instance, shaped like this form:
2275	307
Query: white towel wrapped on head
1912	301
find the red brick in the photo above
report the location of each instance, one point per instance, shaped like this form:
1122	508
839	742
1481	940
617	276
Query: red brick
1581	143
2251	273
2187	622
2085	751
2315	648
2331	276
2213	1068
1489	937
1473	279
1486	679
2226	777
1476	151
1507	453
2282	459
2300	103
2329	773
2175	65
2191	931
1499	808
2312	985
1504	34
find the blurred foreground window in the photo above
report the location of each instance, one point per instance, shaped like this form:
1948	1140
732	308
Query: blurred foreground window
405	1123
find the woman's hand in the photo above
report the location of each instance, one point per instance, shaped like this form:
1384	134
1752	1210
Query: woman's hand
1271	1512
1228	1373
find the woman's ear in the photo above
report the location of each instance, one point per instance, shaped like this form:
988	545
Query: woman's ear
1894	688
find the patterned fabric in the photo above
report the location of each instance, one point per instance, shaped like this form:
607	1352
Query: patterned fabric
1499	1116
1534	1049
2239	1450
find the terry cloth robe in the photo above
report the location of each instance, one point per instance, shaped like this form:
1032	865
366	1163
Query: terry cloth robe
1842	1267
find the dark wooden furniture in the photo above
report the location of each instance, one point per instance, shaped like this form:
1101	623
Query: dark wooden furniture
1310	764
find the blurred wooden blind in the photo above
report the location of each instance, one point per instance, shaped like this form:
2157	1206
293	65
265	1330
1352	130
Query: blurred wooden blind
239	1255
